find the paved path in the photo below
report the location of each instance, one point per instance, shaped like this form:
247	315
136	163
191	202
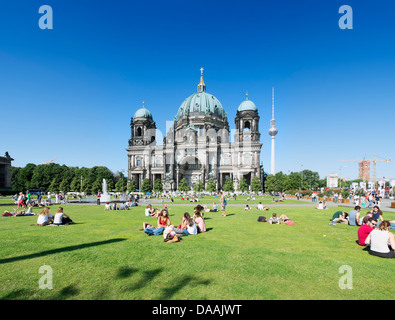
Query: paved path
385	204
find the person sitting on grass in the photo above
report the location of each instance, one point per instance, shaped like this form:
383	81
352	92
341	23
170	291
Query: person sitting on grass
61	218
353	216
188	225
247	207
368	225
149	211
44	218
214	209
124	206
107	206
262	207
199	209
201	225
163	219
377	213
382	242
339	216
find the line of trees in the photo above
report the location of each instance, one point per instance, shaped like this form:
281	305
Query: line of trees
304	180
54	177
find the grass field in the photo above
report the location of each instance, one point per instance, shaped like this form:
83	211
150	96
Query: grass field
104	256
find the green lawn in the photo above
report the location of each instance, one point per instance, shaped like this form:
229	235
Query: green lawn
104	256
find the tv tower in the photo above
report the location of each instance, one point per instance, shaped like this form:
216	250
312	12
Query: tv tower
272	132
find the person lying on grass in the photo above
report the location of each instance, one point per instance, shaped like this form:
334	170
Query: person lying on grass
339	216
277	220
151	230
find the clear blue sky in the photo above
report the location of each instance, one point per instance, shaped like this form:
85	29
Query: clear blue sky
70	92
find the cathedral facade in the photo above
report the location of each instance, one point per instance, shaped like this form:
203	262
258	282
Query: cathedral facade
197	145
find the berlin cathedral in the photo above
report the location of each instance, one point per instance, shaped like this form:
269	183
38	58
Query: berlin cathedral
197	146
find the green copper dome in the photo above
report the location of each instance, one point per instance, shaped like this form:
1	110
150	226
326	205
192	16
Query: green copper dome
143	113
247	105
201	103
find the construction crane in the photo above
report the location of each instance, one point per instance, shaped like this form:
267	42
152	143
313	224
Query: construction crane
49	161
374	160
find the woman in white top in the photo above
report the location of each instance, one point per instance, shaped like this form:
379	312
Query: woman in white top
61	217
382	242
189	225
45	217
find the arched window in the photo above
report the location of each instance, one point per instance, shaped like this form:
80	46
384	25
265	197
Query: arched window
247	126
139	132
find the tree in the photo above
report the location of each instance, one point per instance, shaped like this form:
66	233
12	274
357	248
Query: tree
281	181
86	186
228	185
121	184
97	186
146	186
54	186
211	187
199	186
243	186
132	186
256	185
271	183
75	185
183	185
294	181
158	187
64	186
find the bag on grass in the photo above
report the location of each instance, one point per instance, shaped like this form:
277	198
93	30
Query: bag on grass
261	219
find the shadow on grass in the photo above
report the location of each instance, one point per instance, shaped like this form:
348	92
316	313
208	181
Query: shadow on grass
65	293
147	277
59	250
179	285
125	272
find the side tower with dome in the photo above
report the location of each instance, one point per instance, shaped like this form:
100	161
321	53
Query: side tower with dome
197	146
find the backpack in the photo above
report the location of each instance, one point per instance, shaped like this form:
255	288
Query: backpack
261	219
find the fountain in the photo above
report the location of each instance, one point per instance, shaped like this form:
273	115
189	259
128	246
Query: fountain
105	197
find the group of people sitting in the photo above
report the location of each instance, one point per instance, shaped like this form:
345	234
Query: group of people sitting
373	230
45	218
114	206
377	237
188	226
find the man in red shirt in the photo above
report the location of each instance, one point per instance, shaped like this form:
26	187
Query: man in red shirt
365	229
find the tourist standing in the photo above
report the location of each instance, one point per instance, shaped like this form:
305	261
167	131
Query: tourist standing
223	204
